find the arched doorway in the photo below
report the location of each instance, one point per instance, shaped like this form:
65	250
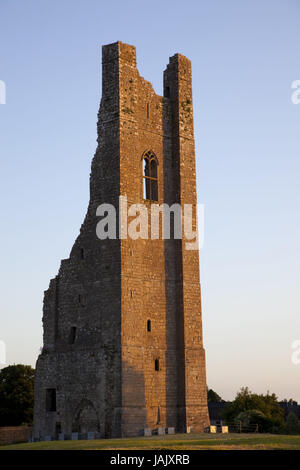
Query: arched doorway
86	418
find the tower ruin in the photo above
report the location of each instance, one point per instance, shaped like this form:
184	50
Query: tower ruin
123	346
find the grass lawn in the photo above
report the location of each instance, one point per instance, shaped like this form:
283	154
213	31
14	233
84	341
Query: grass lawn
177	442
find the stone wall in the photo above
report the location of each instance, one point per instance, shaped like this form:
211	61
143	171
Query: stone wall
12	434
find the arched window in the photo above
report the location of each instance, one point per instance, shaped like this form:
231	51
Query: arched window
150	179
156	364
148	325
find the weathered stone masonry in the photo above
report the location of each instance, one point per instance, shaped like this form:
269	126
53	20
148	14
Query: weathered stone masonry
97	371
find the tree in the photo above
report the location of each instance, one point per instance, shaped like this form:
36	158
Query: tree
292	424
273	415
16	395
213	396
253	420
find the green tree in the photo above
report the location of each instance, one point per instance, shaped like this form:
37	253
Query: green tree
272	418
292	424
213	396
252	421
16	395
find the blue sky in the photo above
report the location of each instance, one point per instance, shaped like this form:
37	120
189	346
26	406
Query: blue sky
244	59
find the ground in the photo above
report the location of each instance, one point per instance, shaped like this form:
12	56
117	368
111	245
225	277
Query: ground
177	442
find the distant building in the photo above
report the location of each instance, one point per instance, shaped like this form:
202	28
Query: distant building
215	409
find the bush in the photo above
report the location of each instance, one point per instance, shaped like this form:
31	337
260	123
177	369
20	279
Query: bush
252	409
292	424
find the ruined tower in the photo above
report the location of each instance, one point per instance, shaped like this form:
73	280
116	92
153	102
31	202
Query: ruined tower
123	348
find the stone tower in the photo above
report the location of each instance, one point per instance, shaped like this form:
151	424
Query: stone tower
123	347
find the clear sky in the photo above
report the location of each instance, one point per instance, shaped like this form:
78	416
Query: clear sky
245	56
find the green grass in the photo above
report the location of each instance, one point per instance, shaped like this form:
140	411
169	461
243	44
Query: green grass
177	442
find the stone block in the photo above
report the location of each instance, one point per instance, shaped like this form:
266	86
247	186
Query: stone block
171	430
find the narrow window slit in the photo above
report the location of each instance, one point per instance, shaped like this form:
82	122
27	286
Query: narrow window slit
50	399
72	336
